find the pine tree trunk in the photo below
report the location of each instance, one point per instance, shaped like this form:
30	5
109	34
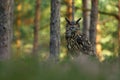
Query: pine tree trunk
55	29
36	27
6	18
93	23
69	9
86	17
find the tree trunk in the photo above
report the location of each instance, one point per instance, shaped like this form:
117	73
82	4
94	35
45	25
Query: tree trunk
36	27
93	23
118	29
86	17
69	9
55	29
6	18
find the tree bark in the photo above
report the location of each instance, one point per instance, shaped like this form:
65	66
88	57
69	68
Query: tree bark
55	29
93	23
86	17
36	27
6	24
69	9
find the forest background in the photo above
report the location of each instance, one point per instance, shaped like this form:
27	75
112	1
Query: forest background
107	27
105	67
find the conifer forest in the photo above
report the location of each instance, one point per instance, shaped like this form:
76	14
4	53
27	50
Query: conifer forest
59	39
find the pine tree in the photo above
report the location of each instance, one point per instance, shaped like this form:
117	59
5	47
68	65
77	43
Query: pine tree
93	23
55	29
86	17
6	24
36	27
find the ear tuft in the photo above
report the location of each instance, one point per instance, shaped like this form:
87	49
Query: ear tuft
78	20
68	21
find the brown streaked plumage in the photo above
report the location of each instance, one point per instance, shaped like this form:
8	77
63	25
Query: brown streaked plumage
77	42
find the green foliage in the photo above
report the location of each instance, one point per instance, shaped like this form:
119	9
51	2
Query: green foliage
80	69
108	5
108	24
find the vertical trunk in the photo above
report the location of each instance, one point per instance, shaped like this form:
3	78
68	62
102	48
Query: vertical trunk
118	53
73	10
93	23
69	9
118	28
6	13
11	21
86	17
55	29
36	26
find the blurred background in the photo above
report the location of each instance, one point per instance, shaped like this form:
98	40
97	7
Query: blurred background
107	26
105	67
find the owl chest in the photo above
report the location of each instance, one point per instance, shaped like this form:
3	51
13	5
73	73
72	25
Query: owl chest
73	45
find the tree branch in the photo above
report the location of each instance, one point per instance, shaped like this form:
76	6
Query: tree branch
109	14
101	12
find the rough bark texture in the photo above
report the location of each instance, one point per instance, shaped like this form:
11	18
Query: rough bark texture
36	26
55	29
93	23
86	17
6	18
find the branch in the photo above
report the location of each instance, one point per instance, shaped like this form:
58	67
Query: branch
109	14
101	12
